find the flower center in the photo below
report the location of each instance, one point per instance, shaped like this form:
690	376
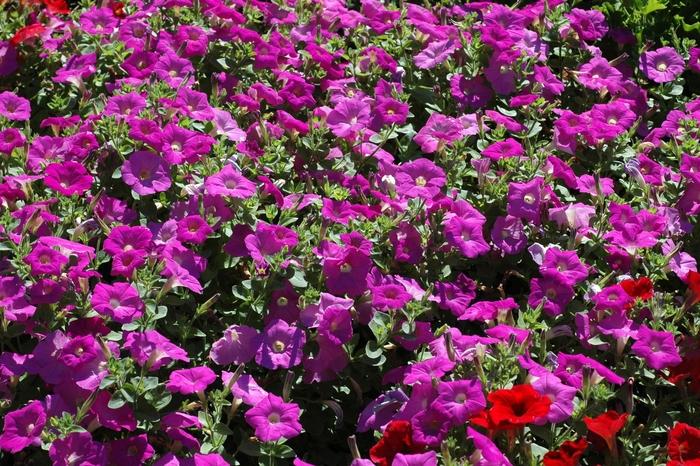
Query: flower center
345	268
612	121
551	293
529	199
273	418
420	181
145	174
282	301
278	346
461	398
114	302
661	66
230	184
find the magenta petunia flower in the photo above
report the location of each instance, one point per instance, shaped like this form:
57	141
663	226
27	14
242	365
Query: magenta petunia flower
598	74
146	173
98	21
466	235
346	271
486	453
130	450
119	301
429	458
661	65
435	53
508	234
282	345
562	397
525	199
438	131
590	25
193	229
14	107
426	371
77	448
239	345
68	178
188	381
461	398
22	428
389	296
349	117
124	238
152	350
431	425
45	260
335	325
419	178
553	291
229	182
274	419
657	348
566	263
504	149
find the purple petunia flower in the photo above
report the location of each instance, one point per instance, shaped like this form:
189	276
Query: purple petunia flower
146	173
508	234
657	348
119	301
77	448
426	371
188	381
346	271
439	131
562	397
281	346
461	398
14	107
349	117
553	291
419	178
590	25
598	74
152	350
239	345
229	182
274	419
431	425
466	235
525	199
486	453
661	65
68	178
435	53
22	428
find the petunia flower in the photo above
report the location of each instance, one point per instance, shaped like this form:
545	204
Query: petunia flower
657	348
435	53
229	182
14	107
188	381
396	438
146	173
77	448
349	117
683	445
152	350
239	345
603	430
22	428
431	425
274	419
119	301
419	178
461	398
486	452
281	345
661	65
568	454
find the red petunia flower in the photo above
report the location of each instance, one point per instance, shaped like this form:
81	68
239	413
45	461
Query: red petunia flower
692	296
683	445
513	408
56	7
568	454
602	430
688	369
641	288
27	33
395	439
118	9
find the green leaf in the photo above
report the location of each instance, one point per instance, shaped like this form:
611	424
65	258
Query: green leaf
652	6
380	326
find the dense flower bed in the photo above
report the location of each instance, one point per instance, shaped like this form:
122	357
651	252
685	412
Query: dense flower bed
322	232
